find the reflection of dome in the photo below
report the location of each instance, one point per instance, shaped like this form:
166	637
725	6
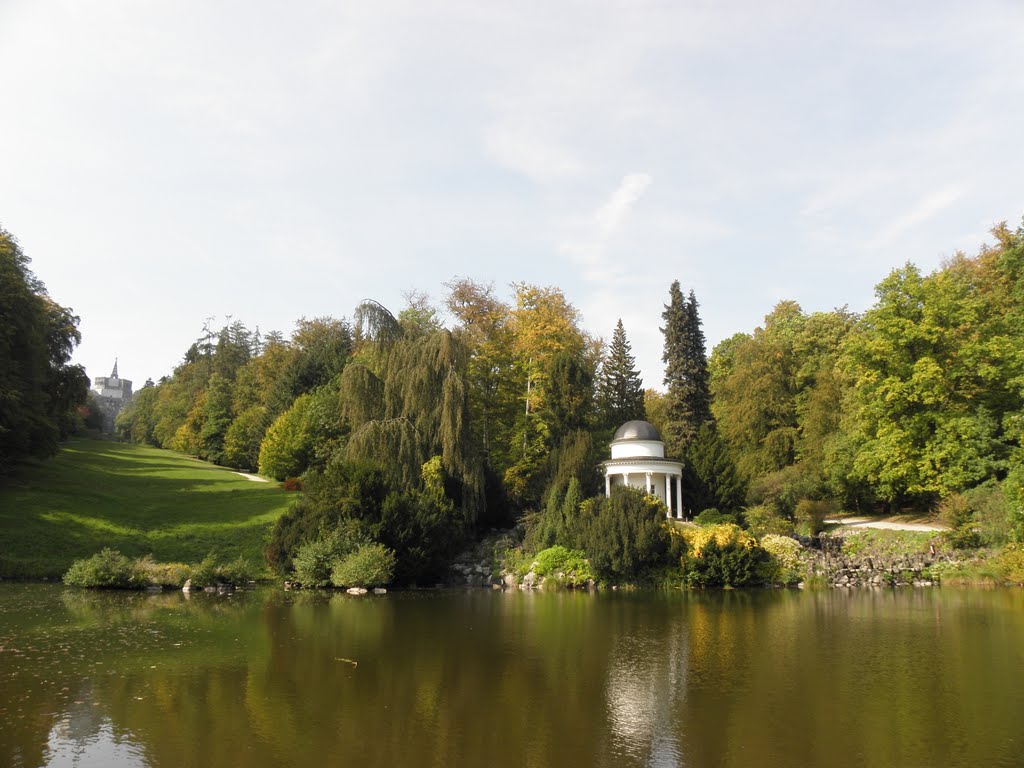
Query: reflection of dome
637	430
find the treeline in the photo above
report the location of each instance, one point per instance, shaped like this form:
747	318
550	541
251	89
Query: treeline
916	403
41	394
495	395
415	435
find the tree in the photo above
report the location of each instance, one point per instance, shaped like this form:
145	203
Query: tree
407	402
620	389
39	390
686	371
570	396
484	327
936	367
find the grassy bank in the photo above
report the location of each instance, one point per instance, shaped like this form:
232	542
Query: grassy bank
133	498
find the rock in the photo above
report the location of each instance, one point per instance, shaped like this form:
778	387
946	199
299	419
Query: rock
209	589
187	587
529	580
509	580
356	590
154	588
495	586
379	591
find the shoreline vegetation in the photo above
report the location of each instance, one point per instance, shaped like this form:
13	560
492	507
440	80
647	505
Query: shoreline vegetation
402	439
842	556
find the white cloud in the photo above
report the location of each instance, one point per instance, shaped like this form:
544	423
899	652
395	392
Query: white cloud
590	249
927	207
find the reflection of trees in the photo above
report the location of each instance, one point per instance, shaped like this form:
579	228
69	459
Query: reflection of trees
474	678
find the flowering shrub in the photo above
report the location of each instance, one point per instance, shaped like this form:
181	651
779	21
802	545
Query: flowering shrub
721	555
784	564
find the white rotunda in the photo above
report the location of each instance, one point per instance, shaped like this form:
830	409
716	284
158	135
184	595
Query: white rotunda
638	461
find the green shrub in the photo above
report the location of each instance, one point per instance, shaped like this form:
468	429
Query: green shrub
315	559
516	560
714	517
955	511
238	571
624	535
1010	563
763	519
204	573
964	537
372	565
566	565
810	516
990	509
164	574
108	569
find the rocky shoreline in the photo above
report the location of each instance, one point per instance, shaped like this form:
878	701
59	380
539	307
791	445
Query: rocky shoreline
822	559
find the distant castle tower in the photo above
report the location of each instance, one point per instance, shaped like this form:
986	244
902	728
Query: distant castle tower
112	393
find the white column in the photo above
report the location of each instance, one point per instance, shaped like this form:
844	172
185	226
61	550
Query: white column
607	483
625	479
648	483
668	495
679	496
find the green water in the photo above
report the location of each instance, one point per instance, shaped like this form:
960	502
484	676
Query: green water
931	677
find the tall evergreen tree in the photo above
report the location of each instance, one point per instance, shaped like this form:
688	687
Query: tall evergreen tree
620	389
686	372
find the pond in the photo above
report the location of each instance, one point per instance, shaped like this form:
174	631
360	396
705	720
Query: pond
911	677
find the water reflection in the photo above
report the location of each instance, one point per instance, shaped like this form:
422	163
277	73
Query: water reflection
646	684
474	678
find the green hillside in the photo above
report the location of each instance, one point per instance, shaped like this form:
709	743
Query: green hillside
137	499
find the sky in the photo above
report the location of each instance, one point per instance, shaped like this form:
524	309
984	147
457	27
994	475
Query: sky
165	163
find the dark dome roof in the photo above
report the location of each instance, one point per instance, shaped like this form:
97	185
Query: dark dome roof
637	430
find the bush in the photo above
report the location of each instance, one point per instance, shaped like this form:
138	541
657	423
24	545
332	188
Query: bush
164	574
292	484
108	569
624	535
314	561
372	565
722	555
204	573
1010	563
964	537
810	516
991	511
763	519
784	564
955	511
714	517
238	571
568	565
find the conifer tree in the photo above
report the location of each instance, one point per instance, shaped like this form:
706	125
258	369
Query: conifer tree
620	389
686	371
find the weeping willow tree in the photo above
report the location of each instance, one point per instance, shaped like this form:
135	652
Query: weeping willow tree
405	399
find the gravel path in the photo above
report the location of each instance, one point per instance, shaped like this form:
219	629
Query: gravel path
254	478
868	522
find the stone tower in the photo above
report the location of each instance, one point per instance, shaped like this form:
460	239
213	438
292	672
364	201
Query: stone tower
112	393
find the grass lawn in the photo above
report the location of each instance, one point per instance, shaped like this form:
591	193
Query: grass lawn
133	498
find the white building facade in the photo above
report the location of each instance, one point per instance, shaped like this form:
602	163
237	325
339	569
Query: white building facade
638	461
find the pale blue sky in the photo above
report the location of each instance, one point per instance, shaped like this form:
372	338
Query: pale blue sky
165	162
